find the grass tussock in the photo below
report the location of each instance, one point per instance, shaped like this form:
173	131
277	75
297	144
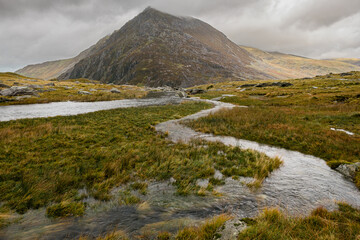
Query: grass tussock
206	231
320	224
66	209
115	235
45	161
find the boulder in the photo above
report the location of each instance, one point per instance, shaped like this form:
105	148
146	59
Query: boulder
196	91
349	170
115	90
18	91
84	93
181	94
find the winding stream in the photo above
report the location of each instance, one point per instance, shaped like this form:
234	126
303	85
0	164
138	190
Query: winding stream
301	184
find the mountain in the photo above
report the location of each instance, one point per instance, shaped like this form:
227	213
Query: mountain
156	48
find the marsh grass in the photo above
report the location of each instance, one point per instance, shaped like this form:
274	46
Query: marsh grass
343	223
47	160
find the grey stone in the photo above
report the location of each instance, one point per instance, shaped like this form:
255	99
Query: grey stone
349	170
84	93
231	229
22	97
202	183
218	175
196	91
18	91
115	90
217	99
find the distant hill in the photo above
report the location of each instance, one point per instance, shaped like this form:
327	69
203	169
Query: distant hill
282	66
156	49
354	61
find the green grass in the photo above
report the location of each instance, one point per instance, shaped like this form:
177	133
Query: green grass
320	224
46	161
206	231
66	209
301	121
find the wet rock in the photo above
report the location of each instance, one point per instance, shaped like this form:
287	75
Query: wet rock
115	90
84	93
68	88
18	91
349	170
92	90
231	230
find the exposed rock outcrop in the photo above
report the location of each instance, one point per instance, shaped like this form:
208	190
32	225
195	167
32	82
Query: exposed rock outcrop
18	91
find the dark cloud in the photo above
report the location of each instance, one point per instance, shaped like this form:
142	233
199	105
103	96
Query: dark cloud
40	30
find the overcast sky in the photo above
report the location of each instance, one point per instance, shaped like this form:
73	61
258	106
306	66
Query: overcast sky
33	31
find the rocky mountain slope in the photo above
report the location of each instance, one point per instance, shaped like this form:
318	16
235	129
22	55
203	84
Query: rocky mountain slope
156	49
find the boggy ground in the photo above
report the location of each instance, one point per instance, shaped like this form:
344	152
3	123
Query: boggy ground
58	91
46	161
300	117
271	224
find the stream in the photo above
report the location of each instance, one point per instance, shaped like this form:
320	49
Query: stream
301	184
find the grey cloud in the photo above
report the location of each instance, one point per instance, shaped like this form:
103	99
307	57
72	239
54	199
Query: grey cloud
40	30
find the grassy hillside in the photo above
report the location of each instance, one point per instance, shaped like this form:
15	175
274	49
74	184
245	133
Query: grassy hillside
47	70
284	66
56	91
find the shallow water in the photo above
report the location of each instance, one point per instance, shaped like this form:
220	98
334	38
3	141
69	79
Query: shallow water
301	184
53	109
